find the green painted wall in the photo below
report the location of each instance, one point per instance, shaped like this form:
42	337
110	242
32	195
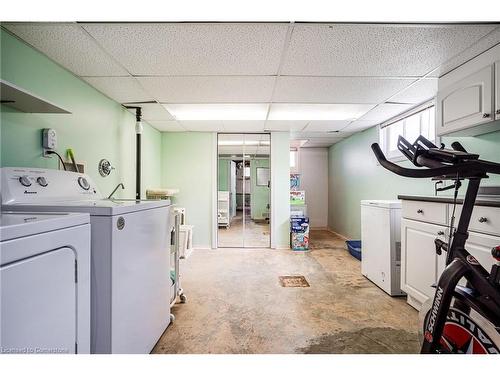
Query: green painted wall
354	175
187	165
97	127
259	198
223	171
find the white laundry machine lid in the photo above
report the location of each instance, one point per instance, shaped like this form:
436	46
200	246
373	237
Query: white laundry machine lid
50	190
21	224
100	207
382	203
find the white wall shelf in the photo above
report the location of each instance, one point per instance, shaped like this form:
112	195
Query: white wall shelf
24	101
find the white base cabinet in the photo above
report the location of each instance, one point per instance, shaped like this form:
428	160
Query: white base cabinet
419	259
421	267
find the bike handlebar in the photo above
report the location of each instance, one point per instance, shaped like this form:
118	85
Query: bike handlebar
472	168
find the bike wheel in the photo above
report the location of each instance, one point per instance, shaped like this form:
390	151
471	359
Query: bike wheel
465	331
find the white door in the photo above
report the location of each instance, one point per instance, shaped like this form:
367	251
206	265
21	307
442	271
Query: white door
466	103
38	304
419	258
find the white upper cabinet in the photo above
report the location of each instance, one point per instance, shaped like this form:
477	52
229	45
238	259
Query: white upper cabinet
468	98
466	103
497	90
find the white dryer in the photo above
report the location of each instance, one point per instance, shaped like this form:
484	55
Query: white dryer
130	254
45	283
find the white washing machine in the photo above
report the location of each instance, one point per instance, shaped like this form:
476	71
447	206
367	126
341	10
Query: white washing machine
130	254
45	283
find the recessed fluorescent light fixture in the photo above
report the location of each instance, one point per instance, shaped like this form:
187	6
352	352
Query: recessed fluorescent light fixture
318	112
184	112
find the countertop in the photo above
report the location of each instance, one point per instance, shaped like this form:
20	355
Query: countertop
491	201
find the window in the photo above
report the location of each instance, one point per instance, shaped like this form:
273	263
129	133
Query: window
419	121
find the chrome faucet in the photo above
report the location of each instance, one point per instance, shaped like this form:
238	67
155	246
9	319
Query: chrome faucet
115	189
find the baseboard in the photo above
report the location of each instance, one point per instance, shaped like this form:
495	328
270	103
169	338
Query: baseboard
338	234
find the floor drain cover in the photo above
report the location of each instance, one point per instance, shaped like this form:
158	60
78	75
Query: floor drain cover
293	282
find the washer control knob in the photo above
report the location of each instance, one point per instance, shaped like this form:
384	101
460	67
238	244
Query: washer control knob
42	181
84	184
24	180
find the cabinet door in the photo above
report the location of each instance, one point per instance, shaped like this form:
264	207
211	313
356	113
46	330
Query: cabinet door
419	258
479	245
466	103
497	90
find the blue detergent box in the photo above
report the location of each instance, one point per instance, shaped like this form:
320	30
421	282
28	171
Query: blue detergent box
299	236
299	224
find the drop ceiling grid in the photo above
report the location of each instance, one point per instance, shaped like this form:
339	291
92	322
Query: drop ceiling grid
395	85
193	49
376	50
68	45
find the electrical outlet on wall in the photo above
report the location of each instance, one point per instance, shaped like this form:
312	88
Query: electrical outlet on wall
49	140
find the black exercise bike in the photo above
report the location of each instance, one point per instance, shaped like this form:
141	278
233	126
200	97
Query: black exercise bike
461	319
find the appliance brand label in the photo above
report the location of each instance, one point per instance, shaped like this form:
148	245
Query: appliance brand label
432	318
120	223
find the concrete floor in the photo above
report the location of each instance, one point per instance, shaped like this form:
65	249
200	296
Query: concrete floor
236	305
257	233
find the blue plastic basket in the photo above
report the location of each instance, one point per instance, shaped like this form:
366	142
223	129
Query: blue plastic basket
354	247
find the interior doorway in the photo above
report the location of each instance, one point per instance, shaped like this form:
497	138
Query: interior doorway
243	190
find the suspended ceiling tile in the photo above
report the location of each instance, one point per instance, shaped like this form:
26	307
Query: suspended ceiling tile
385	111
203	126
297	111
316	135
337	89
244	126
482	45
167	126
193	48
315	126
376	50
311	143
285	125
423	90
70	46
209	89
360	125
120	89
154	112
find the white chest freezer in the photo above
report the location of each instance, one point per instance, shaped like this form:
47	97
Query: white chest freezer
381	244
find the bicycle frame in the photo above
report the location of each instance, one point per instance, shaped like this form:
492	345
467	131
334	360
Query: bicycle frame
479	292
